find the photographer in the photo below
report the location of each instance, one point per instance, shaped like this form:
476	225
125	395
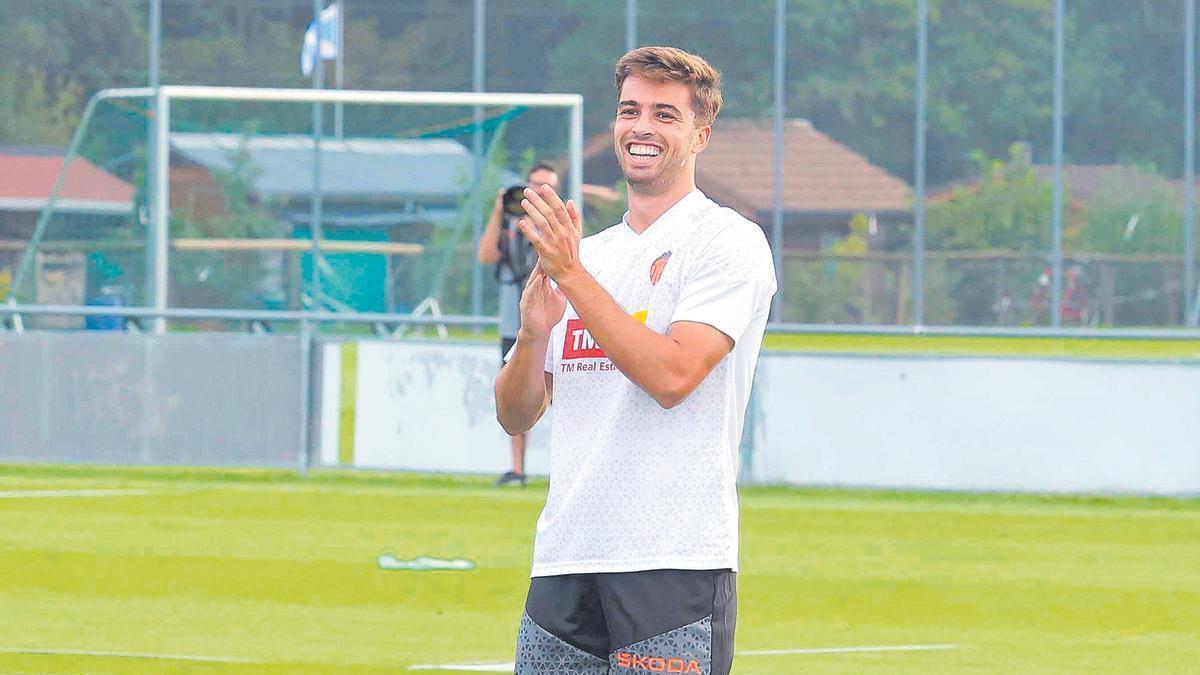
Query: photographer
503	245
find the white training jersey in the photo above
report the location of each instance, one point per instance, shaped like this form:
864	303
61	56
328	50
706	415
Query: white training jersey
634	486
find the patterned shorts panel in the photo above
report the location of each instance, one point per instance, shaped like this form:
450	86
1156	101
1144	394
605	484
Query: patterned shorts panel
540	653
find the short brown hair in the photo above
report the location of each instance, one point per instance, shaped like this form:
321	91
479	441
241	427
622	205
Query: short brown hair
542	166
668	64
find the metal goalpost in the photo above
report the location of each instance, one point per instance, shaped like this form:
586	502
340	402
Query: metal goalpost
158	186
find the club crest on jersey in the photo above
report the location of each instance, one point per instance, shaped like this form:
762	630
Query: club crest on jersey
657	267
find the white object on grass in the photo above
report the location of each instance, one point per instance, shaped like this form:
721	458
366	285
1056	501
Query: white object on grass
423	563
471	667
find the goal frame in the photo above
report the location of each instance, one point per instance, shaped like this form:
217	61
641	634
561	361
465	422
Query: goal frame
164	96
158	187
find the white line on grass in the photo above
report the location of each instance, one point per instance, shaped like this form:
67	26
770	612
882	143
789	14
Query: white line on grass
848	650
508	667
31	494
125	655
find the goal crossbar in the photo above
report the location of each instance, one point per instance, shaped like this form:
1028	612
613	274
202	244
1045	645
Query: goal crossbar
366	96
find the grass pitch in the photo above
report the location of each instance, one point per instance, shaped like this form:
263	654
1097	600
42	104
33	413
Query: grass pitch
272	574
946	345
952	345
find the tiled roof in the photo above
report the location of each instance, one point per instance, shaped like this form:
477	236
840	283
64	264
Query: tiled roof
819	174
27	178
1118	182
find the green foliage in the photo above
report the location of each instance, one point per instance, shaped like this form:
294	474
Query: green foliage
227	278
1145	222
1149	222
242	217
33	111
841	287
850	65
54	54
1009	208
850	69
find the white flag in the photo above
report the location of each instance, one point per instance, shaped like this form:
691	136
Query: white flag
321	38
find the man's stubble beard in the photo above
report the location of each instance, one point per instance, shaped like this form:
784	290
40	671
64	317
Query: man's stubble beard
657	183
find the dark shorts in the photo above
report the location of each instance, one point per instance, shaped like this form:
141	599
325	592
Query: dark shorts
505	345
657	621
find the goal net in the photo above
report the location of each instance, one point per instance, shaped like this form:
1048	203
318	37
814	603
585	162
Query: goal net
395	186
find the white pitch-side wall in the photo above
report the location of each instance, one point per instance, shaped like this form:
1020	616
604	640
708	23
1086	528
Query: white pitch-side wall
900	422
979	424
430	407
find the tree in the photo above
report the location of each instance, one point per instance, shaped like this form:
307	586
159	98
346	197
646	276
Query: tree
1008	208
1121	222
49	63
224	279
32	112
850	66
1147	222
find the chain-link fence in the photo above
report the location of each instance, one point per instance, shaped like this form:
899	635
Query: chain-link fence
215	400
983	288
239	172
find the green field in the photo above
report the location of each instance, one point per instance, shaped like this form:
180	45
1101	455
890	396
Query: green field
1107	348
1056	347
277	575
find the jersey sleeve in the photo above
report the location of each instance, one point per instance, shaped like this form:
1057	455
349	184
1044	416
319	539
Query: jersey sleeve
730	282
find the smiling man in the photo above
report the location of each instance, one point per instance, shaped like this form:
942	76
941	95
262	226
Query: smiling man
646	335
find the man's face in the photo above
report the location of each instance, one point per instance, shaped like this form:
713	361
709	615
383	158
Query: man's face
655	134
540	177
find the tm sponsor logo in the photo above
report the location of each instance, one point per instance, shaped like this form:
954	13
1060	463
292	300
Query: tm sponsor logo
579	343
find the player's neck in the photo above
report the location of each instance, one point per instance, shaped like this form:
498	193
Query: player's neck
645	208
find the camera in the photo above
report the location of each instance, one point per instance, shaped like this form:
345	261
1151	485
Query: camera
516	253
512	201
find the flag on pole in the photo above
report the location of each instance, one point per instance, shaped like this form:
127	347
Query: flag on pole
321	39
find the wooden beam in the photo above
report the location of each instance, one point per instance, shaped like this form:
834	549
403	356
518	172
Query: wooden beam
59	246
